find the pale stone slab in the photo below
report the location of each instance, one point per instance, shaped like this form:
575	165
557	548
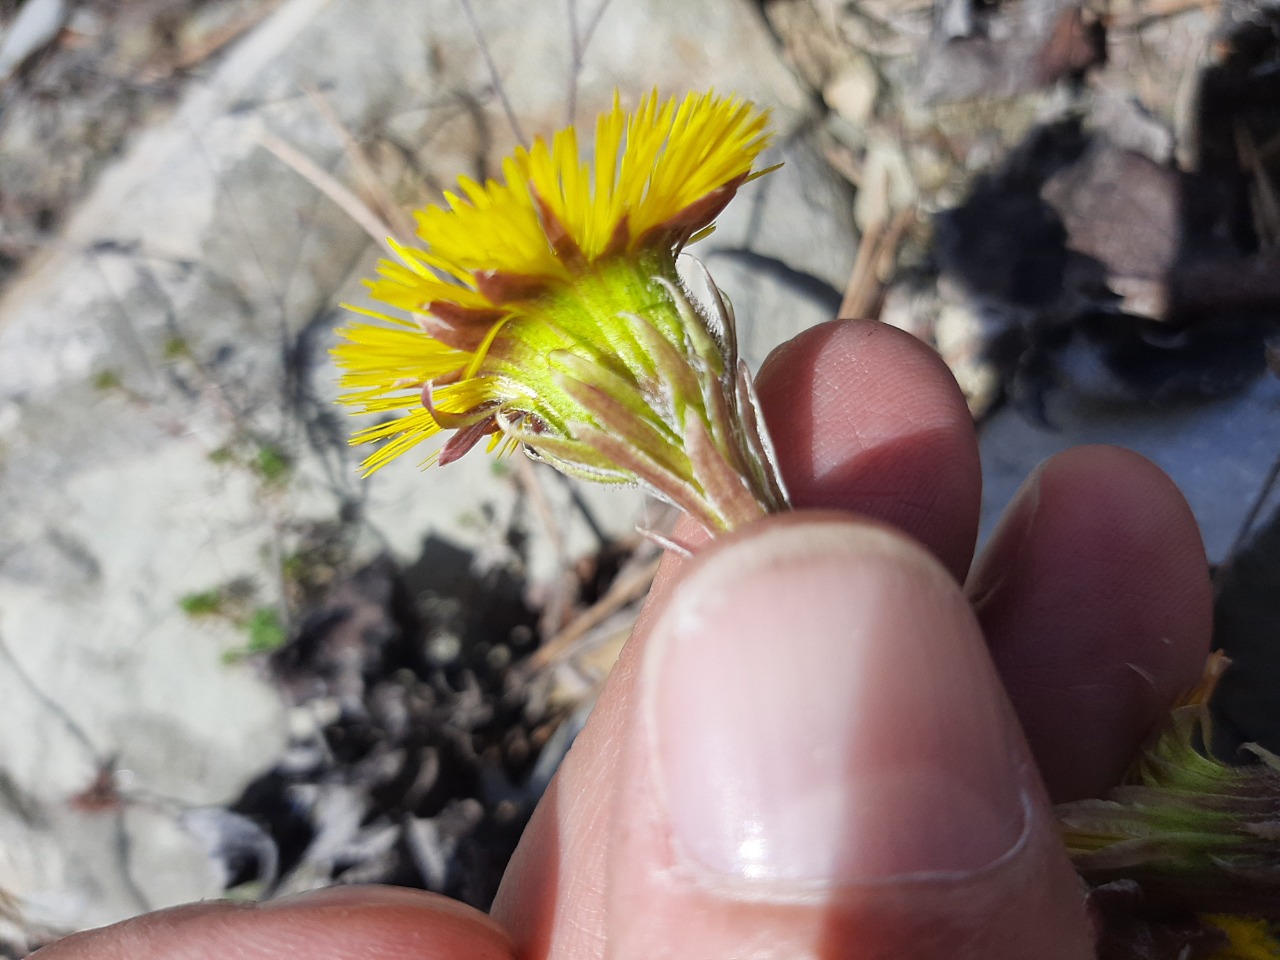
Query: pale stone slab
150	342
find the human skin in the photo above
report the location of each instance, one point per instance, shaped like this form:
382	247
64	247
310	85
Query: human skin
831	735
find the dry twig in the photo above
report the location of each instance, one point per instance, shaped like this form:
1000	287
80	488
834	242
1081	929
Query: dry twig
494	76
627	588
1160	10
194	52
1265	202
1223	571
527	477
343	197
873	267
579	40
373	188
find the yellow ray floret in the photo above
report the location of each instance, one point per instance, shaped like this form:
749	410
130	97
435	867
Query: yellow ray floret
1249	938
649	168
383	360
505	250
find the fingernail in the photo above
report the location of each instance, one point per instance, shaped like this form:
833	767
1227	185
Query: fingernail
822	711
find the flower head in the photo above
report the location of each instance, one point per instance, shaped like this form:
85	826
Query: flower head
1190	829
546	311
1247	938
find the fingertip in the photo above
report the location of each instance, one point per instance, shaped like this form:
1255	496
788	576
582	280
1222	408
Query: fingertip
1096	599
866	418
821	760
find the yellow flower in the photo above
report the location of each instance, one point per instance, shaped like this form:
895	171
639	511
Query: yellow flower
546	310
1248	938
1193	832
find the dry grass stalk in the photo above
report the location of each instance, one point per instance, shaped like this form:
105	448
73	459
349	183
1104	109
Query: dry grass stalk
1266	205
1154	12
873	268
627	588
373	189
336	191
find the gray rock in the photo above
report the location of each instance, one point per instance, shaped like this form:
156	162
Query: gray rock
166	424
1219	453
37	23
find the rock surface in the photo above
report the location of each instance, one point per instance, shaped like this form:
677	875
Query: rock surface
166	428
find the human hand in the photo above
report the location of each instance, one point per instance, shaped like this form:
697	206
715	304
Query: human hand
811	746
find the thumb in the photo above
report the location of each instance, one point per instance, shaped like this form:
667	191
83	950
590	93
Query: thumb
821	762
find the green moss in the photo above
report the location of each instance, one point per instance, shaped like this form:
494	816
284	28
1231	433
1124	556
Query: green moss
266	633
205	603
176	348
294	567
272	465
105	380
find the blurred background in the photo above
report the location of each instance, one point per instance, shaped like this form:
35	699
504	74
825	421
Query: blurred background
230	667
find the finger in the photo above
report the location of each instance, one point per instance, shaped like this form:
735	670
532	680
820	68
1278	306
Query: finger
820	761
866	418
374	923
863	418
1095	597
